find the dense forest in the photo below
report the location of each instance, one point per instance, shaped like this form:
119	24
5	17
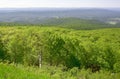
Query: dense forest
59	53
66	22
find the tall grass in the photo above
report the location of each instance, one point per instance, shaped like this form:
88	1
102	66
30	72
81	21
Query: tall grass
12	71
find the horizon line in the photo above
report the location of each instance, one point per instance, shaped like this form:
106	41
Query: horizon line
53	7
59	7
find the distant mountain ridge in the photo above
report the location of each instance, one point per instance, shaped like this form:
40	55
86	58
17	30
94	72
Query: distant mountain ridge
38	15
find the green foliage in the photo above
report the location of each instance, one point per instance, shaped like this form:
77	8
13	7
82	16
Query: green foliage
2	53
20	72
2	50
91	49
68	22
12	71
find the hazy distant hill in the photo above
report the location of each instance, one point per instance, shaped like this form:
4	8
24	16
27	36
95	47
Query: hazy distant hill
39	15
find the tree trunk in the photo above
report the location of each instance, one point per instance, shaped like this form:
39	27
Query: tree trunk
40	60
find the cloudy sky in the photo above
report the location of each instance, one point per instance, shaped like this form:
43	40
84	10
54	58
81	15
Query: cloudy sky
59	3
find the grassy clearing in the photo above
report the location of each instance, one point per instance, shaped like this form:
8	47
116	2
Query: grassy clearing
11	71
19	72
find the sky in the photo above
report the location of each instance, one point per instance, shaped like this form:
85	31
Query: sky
59	3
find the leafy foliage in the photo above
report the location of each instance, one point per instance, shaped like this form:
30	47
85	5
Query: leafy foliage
92	49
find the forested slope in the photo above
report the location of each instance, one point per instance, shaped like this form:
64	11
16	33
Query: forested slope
69	22
58	46
60	53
